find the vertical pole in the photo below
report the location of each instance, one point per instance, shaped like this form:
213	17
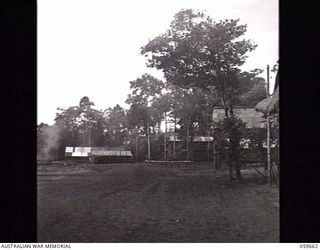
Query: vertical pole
268	81
89	136
269	151
72	134
174	138
165	135
268	134
148	138
187	143
136	144
208	146
89	127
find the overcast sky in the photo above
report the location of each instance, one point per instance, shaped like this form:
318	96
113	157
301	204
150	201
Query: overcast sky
92	47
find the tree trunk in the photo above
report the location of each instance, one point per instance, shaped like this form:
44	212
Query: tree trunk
230	171
238	171
234	142
225	107
234	154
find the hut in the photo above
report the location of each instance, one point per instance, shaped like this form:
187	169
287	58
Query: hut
270	105
201	148
97	154
253	120
248	114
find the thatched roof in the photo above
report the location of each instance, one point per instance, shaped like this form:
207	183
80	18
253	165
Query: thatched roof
270	104
247	114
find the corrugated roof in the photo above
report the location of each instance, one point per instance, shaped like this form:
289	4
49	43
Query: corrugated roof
111	153
171	138
69	149
203	138
82	149
80	154
95	151
196	139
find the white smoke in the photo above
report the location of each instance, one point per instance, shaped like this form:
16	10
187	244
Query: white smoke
51	141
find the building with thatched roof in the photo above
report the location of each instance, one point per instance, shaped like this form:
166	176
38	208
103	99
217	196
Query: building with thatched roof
247	114
270	105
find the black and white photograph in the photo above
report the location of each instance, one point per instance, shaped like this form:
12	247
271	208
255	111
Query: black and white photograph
158	121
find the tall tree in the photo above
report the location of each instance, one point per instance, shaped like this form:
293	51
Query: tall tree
115	126
144	91
161	108
198	52
85	103
85	124
137	117
187	108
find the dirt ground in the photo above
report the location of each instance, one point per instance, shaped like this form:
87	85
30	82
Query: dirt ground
152	203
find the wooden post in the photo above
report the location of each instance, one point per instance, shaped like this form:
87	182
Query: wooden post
165	134
268	81
136	144
269	151
208	146
72	134
268	134
148	138
89	129
187	143
174	138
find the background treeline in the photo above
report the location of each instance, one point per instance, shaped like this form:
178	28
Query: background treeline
162	108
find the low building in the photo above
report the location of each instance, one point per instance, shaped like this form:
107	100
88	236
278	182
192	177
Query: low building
202	148
98	154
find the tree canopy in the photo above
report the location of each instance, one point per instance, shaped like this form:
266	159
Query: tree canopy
197	51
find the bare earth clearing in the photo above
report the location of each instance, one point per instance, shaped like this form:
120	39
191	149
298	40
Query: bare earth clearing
149	203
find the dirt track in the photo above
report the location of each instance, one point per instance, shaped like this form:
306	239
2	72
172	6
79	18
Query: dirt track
140	203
